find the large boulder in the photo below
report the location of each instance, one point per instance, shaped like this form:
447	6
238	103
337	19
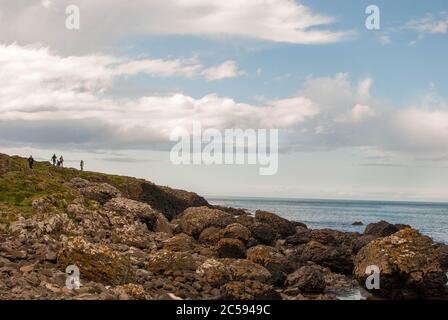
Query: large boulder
249	290
217	272
194	220
408	263
166	260
307	279
273	260
180	242
333	237
231	248
96	262
237	231
337	259
361	241
380	229
211	235
138	211
302	235
100	192
281	226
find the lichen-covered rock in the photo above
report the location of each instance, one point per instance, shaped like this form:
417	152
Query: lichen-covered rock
142	212
180	242
281	226
408	263
164	260
338	259
211	235
272	260
237	231
231	248
380	229
361	241
131	291
96	262
194	220
249	290
307	279
100	192
217	272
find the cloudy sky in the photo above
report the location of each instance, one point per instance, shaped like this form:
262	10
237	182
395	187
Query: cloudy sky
362	114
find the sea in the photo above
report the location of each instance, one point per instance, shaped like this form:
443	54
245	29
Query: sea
428	217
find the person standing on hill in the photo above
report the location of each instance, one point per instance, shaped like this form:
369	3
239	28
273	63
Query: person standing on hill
54	159
61	161
31	162
82	165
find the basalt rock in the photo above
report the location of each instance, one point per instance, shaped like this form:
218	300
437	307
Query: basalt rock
408	263
380	229
194	220
308	279
281	226
237	231
231	248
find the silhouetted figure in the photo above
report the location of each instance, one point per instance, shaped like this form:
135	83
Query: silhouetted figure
54	159
31	162
82	165
58	163
61	161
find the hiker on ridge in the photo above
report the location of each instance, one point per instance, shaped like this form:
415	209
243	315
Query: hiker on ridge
82	165
54	159
61	161
31	162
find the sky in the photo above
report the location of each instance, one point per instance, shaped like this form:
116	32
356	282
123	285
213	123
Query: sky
362	114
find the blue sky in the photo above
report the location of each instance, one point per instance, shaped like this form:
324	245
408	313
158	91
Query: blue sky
363	114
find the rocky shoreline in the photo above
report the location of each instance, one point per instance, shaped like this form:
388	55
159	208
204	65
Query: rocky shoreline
132	239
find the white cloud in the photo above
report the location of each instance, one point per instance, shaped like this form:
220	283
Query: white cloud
49	99
102	21
228	69
384	39
429	24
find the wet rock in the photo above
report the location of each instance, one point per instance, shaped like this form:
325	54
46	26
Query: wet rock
96	262
194	220
408	263
307	279
380	229
357	223
249	290
231	248
281	226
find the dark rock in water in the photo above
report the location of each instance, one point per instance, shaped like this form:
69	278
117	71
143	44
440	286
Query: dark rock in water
409	266
233	211
281	226
237	231
338	259
307	279
357	223
249	290
361	241
270	258
231	248
194	220
380	229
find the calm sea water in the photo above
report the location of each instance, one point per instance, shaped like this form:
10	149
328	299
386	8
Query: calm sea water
430	218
